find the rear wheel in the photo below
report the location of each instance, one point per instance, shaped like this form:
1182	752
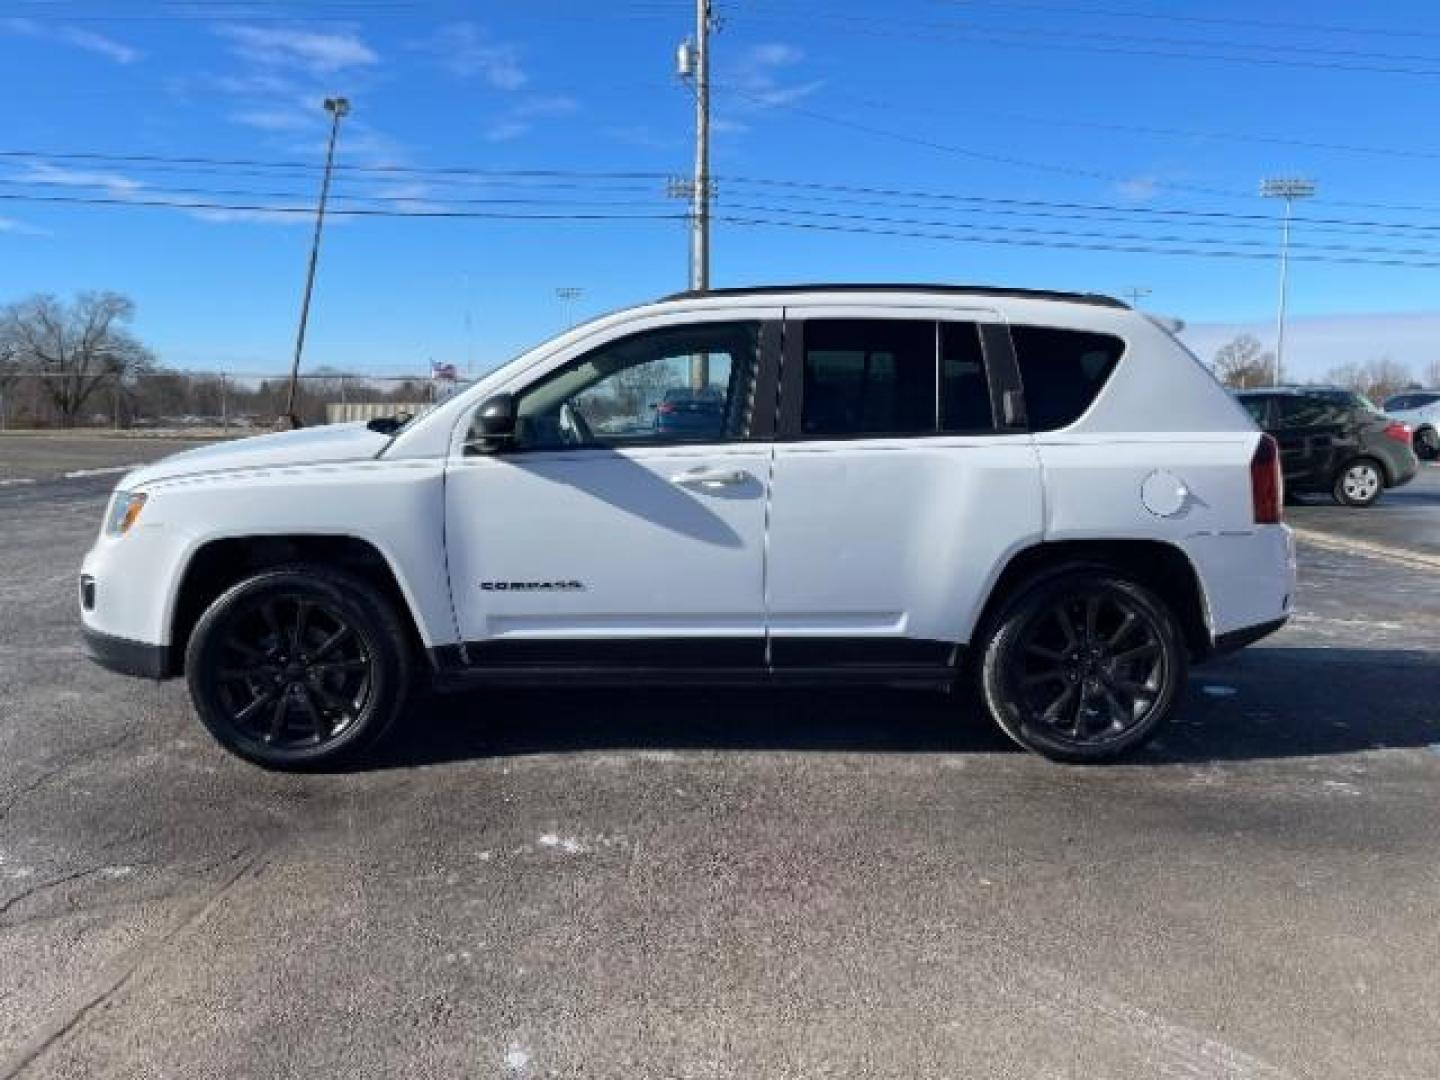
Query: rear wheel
1359	483
1427	444
298	667
1083	667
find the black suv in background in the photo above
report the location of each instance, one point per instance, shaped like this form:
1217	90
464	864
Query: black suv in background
1334	442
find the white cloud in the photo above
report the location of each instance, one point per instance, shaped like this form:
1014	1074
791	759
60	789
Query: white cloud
99	43
1316	344
467	51
291	46
111	184
276	119
21	228
1138	188
105	46
758	76
520	119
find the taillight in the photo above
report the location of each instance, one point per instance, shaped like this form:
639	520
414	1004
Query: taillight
1398	431
666	408
1267	486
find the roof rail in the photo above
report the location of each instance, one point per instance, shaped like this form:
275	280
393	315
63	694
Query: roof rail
1095	299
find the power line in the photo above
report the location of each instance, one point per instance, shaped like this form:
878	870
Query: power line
997	235
1048	231
1140	249
631	181
1044	166
1298	56
1060	121
263	208
1212	20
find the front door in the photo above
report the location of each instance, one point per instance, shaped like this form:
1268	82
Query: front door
625	525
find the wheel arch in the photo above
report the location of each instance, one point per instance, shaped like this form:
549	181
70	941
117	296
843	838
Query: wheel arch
1162	567
220	562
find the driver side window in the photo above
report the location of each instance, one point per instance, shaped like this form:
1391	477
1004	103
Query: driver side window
677	384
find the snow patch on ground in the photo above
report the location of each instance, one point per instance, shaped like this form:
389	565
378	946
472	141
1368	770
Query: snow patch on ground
567	844
516	1059
80	474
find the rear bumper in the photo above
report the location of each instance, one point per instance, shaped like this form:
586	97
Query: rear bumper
1235	640
127	657
1403	471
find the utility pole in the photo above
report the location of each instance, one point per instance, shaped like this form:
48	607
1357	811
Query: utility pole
693	63
338	108
1288	188
1136	293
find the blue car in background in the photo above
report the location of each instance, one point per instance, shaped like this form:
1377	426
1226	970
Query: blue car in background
690	413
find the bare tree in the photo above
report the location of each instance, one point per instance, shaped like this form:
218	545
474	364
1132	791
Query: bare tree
1377	379
1243	363
77	347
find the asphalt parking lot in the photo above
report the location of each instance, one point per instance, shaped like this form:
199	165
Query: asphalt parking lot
654	883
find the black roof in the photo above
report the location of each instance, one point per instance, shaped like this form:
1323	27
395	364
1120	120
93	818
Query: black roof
960	290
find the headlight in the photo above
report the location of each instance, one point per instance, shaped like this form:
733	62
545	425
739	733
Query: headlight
125	510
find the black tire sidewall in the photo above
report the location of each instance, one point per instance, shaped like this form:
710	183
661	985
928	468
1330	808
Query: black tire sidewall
1339	487
369	615
1000	647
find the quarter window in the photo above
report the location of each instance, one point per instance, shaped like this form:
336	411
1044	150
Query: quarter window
1062	371
681	384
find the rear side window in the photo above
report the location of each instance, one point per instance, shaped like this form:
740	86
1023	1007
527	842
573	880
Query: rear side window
868	377
1299	412
964	389
893	377
1062	371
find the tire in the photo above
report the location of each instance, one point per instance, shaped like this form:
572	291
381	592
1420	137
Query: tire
1359	483
1427	444
1083	667
318	705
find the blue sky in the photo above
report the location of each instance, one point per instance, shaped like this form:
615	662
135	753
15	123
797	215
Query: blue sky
996	119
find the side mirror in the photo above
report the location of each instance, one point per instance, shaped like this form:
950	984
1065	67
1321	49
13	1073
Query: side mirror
494	423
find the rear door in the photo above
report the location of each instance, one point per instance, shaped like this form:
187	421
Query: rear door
897	487
1312	435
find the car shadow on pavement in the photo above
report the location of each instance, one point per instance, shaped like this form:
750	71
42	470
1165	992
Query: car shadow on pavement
1264	703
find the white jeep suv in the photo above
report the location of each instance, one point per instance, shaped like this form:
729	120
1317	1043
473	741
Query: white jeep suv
1044	493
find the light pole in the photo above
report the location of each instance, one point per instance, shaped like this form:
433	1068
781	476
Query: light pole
567	295
1288	188
338	108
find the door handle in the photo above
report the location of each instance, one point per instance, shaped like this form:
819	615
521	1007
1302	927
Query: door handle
712	478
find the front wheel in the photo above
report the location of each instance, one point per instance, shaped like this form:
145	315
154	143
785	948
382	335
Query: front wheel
298	667
1359	483
1083	667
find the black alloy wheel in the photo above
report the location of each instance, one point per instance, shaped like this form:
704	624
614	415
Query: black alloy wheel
1084	667
297	667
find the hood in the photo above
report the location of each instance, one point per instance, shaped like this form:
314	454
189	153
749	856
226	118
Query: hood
308	446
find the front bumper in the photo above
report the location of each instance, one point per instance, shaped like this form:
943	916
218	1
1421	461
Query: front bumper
127	657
